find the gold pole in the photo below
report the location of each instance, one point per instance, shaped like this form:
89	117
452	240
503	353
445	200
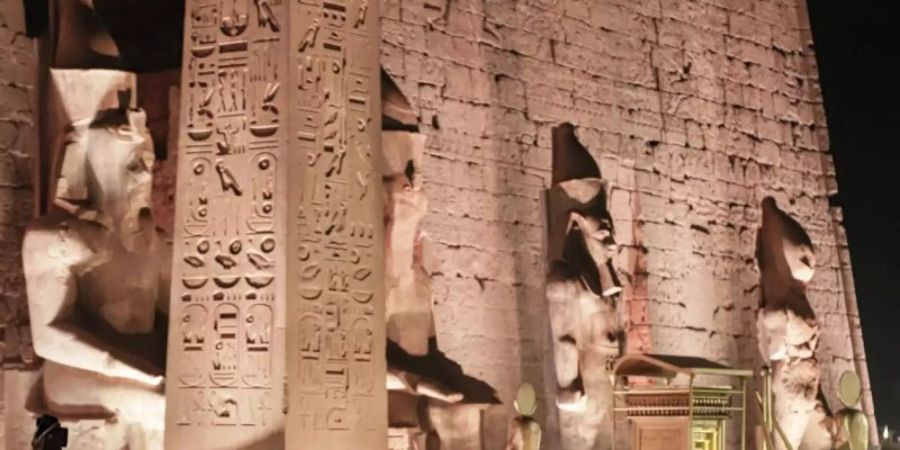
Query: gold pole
612	380
766	397
744	414
690	432
767	438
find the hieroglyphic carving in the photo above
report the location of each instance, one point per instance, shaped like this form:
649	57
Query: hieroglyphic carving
227	311
335	342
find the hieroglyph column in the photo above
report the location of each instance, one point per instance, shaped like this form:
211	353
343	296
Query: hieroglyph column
335	310
225	370
278	230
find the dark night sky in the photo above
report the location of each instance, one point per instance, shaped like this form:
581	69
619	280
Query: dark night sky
856	43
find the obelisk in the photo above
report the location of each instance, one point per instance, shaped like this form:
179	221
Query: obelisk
278	247
225	370
335	301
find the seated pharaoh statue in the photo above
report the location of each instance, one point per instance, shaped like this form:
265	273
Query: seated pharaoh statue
97	280
432	403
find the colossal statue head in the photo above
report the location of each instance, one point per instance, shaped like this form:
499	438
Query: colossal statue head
784	252
588	245
105	174
795	245
581	227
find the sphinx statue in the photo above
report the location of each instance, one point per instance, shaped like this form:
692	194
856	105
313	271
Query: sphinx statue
582	288
788	331
524	430
97	273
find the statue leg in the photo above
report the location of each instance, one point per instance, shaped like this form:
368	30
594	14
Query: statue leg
75	393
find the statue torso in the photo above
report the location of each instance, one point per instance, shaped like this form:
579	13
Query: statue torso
118	287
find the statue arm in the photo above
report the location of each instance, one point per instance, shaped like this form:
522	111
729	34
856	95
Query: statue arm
52	293
436	390
561	294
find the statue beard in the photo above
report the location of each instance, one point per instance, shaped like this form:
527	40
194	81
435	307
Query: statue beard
136	230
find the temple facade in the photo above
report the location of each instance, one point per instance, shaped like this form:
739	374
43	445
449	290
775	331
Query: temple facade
247	214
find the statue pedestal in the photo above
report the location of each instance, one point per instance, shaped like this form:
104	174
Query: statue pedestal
18	422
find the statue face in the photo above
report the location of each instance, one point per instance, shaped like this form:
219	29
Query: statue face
590	247
598	239
120	159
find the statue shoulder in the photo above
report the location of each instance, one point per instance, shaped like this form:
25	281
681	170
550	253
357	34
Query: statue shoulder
59	238
561	271
563	281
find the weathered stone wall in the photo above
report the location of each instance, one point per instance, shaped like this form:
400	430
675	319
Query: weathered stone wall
696	110
17	74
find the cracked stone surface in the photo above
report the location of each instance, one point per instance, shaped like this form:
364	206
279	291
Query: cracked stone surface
696	112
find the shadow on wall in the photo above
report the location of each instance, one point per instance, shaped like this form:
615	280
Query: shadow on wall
512	179
133	35
436	365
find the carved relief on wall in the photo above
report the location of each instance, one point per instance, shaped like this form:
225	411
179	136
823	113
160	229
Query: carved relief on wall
787	326
96	269
227	309
582	289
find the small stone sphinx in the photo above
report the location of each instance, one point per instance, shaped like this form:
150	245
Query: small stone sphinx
524	430
97	274
789	333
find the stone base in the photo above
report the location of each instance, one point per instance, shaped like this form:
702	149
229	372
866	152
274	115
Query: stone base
19	423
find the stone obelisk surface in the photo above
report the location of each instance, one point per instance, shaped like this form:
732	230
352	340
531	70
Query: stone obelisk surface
279	216
225	370
335	301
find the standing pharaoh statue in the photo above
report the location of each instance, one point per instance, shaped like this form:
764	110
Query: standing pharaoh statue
788	331
97	274
582	287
